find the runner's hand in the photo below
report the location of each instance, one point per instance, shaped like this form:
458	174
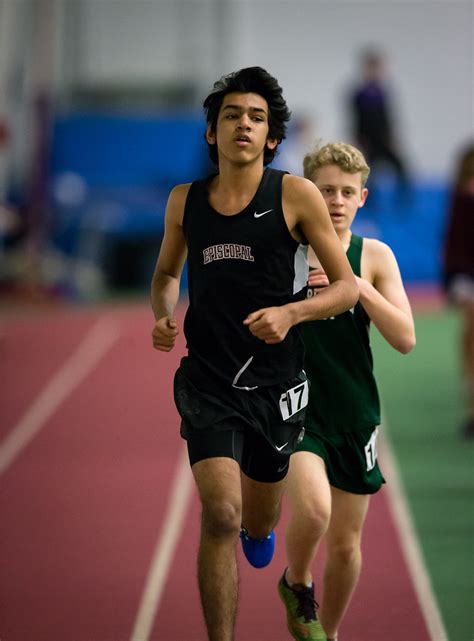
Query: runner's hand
270	324
317	278
164	333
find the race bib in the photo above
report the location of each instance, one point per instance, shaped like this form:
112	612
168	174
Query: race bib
294	400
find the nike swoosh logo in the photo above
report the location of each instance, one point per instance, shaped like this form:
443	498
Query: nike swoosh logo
262	213
281	447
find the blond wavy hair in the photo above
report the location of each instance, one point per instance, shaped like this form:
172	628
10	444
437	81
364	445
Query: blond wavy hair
348	158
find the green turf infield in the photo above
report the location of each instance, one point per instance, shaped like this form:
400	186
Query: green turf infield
423	407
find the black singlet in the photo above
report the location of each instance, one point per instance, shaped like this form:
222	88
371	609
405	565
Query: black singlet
238	264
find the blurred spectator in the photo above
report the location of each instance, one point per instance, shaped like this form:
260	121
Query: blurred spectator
299	141
459	269
372	119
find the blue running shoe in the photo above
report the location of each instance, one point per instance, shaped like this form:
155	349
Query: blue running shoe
259	552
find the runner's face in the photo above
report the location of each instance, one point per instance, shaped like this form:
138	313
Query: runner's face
343	194
242	128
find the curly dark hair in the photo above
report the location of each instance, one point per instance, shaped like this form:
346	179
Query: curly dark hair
250	80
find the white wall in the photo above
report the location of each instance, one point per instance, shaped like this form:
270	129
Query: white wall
135	41
310	46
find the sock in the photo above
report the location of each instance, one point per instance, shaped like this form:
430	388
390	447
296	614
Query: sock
308	585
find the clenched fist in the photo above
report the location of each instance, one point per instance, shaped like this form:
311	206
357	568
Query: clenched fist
270	324
164	333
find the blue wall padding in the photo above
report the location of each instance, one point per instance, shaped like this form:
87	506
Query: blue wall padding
130	162
119	150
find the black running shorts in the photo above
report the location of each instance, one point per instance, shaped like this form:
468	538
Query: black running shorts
258	428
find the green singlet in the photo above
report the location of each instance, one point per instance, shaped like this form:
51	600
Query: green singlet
343	395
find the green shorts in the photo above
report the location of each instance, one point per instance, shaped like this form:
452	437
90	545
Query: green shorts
350	458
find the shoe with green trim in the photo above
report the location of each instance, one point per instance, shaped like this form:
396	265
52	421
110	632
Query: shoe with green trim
303	622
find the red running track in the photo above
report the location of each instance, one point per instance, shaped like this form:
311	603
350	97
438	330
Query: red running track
85	498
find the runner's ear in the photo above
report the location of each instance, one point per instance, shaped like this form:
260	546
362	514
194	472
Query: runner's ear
272	143
210	136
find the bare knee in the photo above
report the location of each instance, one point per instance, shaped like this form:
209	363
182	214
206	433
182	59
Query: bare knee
221	518
345	551
316	517
320	516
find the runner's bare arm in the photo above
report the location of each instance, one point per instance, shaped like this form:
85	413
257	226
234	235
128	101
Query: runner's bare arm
167	275
307	216
383	296
308	212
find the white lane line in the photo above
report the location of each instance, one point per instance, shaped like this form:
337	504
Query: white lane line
409	542
80	364
164	551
